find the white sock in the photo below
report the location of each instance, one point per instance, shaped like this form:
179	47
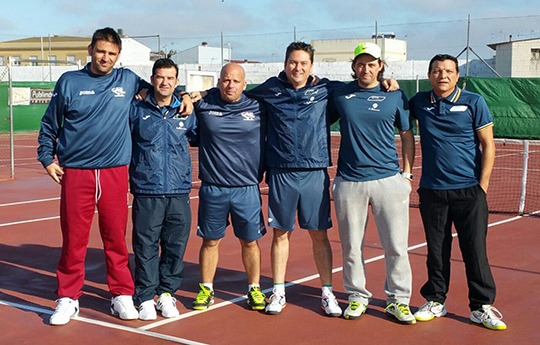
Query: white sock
250	286
279	289
209	285
327	290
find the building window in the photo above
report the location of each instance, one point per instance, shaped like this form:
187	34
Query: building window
2	61
535	53
33	61
53	60
71	58
16	60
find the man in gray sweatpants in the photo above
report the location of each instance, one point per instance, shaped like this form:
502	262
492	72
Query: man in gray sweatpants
369	174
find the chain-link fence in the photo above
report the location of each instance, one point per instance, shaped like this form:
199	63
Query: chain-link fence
27	99
424	39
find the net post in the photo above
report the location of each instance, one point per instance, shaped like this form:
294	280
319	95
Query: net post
524	177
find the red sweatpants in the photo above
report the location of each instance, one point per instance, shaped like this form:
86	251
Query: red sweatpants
82	191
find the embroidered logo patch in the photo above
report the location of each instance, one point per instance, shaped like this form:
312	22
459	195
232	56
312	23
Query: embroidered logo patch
118	91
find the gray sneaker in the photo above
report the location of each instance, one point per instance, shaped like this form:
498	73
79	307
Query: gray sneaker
354	310
401	312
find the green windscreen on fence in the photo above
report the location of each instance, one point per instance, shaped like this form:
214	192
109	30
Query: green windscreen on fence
26	117
513	102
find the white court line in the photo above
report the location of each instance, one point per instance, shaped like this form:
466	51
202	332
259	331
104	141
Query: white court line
107	324
29	202
144	329
296	282
46	218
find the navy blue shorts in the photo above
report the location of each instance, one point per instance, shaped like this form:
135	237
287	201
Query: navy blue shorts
299	190
243	204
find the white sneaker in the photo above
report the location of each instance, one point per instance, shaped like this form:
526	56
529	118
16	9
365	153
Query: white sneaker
64	311
354	310
147	310
276	303
430	310
167	305
330	305
124	308
488	316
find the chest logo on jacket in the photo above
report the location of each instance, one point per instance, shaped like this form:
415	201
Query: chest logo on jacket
118	91
180	125
248	116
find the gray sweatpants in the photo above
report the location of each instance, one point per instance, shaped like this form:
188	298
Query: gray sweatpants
389	200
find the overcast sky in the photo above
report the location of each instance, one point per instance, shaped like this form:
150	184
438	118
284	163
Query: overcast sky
261	29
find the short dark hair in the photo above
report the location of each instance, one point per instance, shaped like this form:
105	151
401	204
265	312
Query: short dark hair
164	63
308	48
442	57
107	34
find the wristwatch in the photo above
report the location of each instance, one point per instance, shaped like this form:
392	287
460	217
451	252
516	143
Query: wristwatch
408	176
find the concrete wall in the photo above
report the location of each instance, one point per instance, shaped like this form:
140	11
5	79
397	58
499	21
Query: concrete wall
258	73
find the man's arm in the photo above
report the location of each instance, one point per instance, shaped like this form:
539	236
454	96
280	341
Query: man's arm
407	150
51	124
485	136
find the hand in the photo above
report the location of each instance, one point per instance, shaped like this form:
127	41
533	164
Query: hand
186	107
197	95
141	96
484	186
390	84
55	172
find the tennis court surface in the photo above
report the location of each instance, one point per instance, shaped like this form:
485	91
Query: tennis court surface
30	243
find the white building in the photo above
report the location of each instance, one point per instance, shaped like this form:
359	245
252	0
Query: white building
342	49
517	58
133	53
203	55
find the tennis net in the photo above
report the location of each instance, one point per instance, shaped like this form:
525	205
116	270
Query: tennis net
515	181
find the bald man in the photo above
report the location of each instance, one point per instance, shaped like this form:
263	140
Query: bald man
232	134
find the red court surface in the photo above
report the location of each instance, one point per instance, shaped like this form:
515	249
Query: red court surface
30	247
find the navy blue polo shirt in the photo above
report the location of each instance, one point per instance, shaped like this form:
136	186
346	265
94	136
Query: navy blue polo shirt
368	117
451	155
231	140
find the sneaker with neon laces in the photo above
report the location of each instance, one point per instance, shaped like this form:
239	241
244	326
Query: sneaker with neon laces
204	299
488	316
354	310
147	310
64	311
124	308
276	303
330	305
167	305
401	312
256	298
430	310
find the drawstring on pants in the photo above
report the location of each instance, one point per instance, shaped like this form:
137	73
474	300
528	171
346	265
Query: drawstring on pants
98	185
